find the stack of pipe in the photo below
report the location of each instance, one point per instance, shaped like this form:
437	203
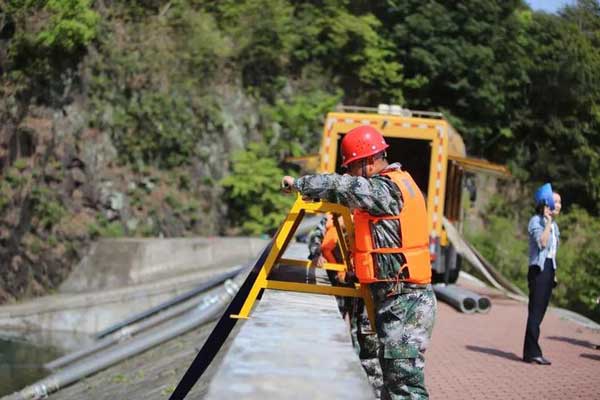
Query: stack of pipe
462	299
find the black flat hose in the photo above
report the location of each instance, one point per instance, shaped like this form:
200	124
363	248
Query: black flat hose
220	333
133	328
209	284
205	312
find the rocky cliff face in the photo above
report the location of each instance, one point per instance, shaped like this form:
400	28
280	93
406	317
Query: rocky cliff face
63	185
120	119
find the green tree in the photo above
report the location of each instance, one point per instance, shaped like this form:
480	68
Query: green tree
462	58
557	135
264	33
296	124
255	201
346	41
45	42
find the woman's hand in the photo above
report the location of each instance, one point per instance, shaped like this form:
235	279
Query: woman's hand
548	214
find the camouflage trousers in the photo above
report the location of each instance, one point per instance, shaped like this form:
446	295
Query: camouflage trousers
365	343
404	322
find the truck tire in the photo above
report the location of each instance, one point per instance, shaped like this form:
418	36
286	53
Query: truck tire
451	262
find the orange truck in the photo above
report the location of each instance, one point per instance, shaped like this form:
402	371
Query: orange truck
430	149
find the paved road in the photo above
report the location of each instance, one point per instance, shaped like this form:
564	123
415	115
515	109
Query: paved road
478	356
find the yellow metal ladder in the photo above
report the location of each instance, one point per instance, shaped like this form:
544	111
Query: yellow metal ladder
281	241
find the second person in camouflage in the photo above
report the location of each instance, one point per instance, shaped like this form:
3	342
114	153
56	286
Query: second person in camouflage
364	342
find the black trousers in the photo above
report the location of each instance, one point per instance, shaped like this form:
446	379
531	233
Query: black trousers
540	290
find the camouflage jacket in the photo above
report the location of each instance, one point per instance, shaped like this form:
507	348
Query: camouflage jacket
377	195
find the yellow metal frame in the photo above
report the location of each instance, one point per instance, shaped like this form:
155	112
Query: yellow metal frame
280	243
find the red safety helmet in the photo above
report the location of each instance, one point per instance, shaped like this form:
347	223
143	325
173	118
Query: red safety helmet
361	142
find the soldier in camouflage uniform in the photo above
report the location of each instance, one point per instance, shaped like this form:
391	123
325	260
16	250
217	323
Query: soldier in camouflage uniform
405	312
365	343
315	240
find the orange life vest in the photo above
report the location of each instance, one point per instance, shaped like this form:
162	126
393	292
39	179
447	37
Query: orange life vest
329	244
329	240
413	233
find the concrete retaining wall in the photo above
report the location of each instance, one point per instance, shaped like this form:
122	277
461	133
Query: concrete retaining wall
113	263
94	311
120	278
293	346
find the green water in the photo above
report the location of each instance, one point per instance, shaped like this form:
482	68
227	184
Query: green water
21	363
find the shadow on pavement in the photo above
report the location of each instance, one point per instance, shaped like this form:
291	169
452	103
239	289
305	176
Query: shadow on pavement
577	342
495	352
591	356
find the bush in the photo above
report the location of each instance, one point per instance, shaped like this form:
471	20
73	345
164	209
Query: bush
504	244
578	263
48	210
252	191
106	229
50	30
299	122
73	25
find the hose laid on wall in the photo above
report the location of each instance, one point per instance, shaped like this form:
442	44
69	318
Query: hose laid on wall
127	331
207	311
204	286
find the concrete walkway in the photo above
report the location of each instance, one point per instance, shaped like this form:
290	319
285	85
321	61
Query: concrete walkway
478	356
294	347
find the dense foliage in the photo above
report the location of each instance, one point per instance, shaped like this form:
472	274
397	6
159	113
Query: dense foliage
154	106
257	203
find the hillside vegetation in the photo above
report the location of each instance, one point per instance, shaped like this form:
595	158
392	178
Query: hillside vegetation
173	118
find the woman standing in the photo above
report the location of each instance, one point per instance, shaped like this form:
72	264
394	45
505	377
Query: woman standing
543	244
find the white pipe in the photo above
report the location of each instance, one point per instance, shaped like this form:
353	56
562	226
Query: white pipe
483	303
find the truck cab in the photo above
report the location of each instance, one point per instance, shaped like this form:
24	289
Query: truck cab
431	150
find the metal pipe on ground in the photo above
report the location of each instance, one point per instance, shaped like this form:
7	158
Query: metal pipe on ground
484	304
124	334
205	312
204	286
457	299
127	331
